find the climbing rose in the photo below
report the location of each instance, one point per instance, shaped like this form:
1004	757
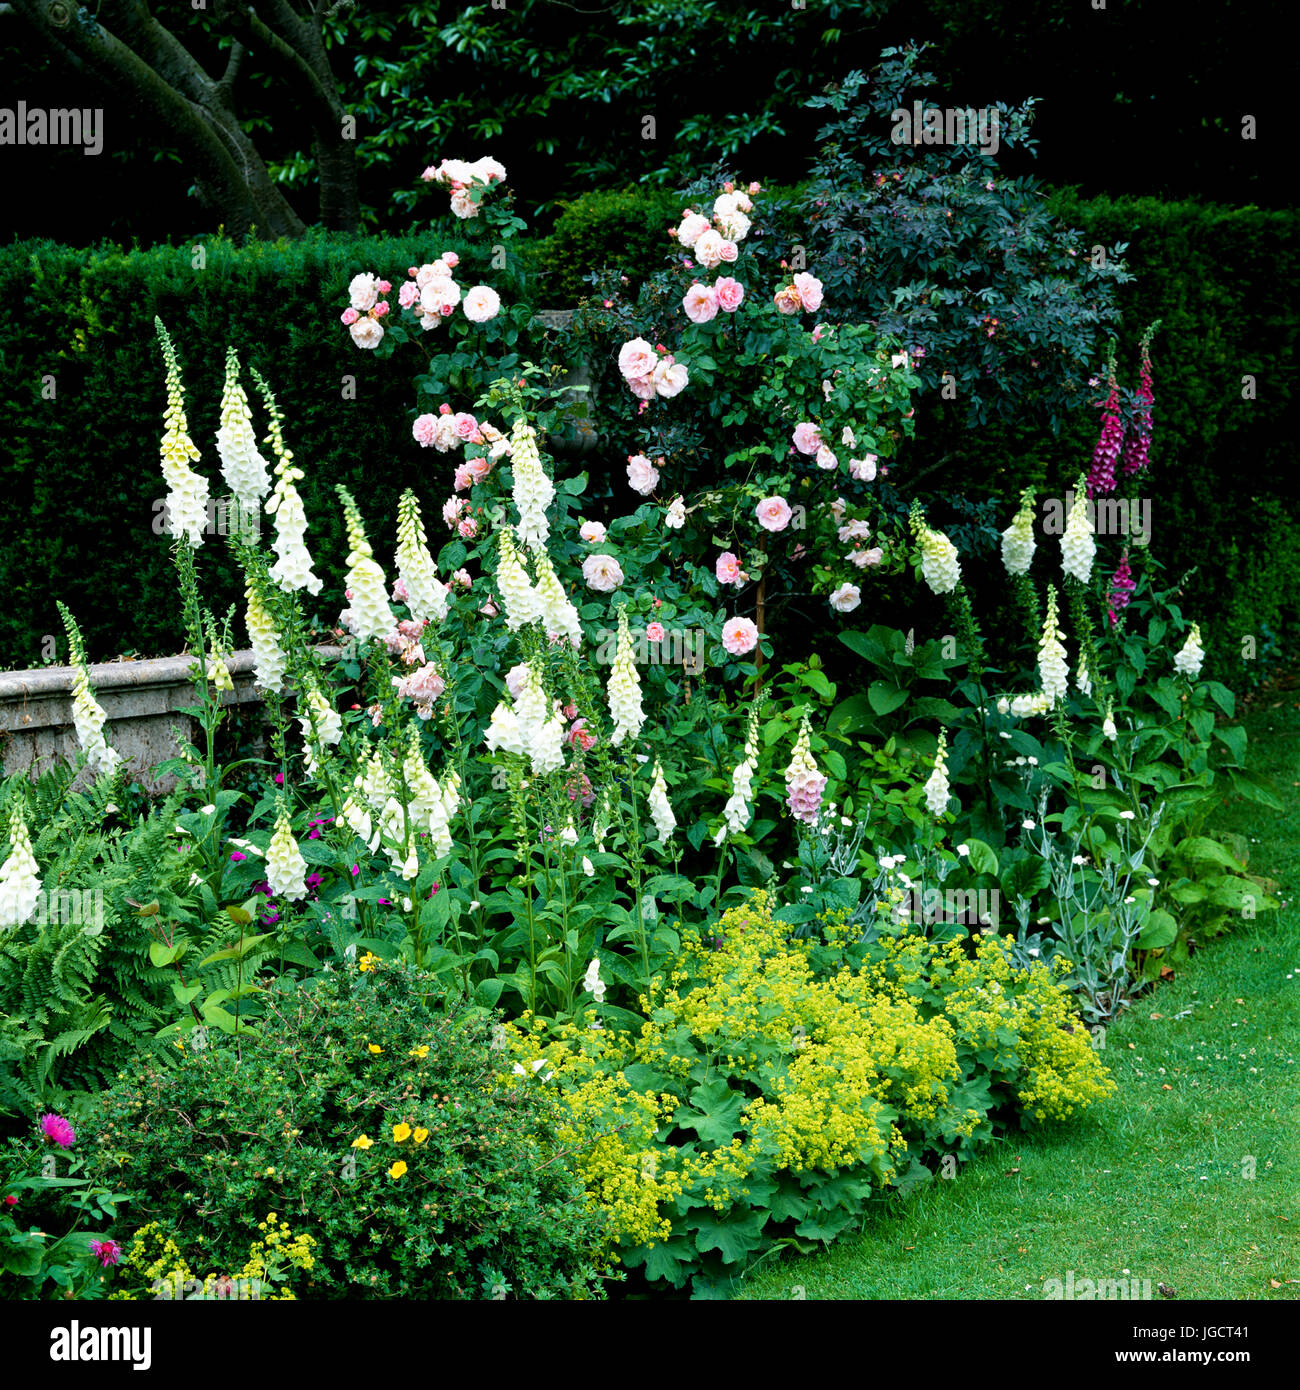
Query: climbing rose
642	475
636	359
773	513
700	303
739	636
603	573
481	304
728	571
846	598
807	437
730	293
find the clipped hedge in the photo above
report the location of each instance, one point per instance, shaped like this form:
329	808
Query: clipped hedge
1218	278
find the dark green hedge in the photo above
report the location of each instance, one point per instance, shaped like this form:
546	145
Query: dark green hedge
81	474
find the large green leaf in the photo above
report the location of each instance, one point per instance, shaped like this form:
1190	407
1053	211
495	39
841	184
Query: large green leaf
734	1237
1160	931
716	1113
885	696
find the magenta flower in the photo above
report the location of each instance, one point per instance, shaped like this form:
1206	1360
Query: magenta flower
109	1251
1138	444
1101	475
236	857
58	1131
1122	585
279	779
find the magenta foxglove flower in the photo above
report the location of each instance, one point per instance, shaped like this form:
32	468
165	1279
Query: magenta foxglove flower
1122	585
58	1131
1137	446
1101	475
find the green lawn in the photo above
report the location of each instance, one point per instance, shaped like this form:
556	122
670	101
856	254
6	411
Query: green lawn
1156	1182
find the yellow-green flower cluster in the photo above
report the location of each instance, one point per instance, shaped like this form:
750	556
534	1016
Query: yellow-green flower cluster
187	497
153	1260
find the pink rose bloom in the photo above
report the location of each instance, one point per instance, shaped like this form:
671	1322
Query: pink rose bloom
482	304
463	205
423	686
593	532
479	468
451	510
445	437
788	300
700	303
603	573
837	508
489	609
655	632
846	598
578	736
691	229
826	458
464	478
642	387
728	570
444	409
863	469
380	309
516	679
857	530
466	425
366	333
349	316
809	289
383	286
450	258
400	592
424	429
807	437
756	187
728	251
462	579
408	294
863	558
739	636
636	359
467	527
729	293
773	513
669	378
440	295
642	475
362	292
708	249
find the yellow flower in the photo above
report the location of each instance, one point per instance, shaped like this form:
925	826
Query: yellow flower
421	1135
367	962
401	1132
374	1047
421	1051
397	1169
361	1142
180	1042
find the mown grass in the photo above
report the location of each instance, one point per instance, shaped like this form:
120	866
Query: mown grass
1155	1184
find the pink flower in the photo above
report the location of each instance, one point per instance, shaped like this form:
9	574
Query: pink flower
708	249
773	513
108	1251
809	289
728	570
380	309
582	788
452	508
383	286
636	359
400	592
700	303
603	573
728	251
863	469
462	579
11	1201
642	475
826	458
788	300
579	736
643	387
1122	585
593	532
655	632
450	258
367	333
468	528
846	598
482	304
807	437
489	609
739	636
729	293
362	292
466	425
56	1129
236	857
349	316
669	378
805	795
479	468
425	430
464	478
863	558
423	686
691	228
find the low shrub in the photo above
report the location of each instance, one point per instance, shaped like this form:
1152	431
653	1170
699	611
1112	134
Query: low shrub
368	1116
777	1083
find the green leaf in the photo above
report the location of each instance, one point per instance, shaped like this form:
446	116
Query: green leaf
1204	850
1025	878
1160	931
716	1116
161	954
982	858
885	697
235	952
734	1238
